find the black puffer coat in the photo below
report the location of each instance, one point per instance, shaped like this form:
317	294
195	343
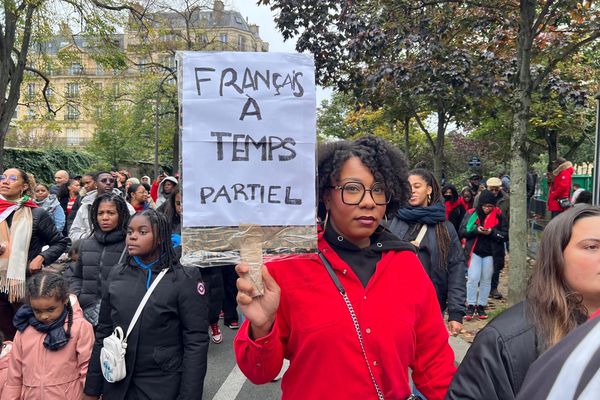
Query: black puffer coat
97	257
167	350
44	233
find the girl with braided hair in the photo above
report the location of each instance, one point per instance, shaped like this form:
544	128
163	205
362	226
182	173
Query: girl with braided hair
52	347
167	348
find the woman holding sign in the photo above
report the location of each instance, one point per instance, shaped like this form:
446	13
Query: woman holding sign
354	317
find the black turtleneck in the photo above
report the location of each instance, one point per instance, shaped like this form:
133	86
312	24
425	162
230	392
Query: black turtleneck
364	261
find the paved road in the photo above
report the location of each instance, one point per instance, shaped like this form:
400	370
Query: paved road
224	381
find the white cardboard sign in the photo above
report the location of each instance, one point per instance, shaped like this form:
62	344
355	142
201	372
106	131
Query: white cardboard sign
248	129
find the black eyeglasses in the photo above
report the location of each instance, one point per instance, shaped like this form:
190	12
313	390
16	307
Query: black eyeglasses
354	192
107	180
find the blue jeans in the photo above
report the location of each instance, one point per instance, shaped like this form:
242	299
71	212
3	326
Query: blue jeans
481	270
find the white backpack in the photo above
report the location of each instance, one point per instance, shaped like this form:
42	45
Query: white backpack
112	354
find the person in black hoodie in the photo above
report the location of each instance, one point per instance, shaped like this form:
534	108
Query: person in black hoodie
439	250
485	229
99	253
167	349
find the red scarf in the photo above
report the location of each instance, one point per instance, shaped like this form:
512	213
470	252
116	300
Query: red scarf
451	205
491	220
4	204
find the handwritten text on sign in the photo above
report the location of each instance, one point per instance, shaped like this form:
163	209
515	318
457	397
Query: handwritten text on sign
248	138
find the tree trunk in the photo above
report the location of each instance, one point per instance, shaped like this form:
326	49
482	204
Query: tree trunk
518	273
4	126
438	153
551	137
406	137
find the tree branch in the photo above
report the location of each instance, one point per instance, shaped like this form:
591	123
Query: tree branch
569	50
46	85
427	134
576	145
540	23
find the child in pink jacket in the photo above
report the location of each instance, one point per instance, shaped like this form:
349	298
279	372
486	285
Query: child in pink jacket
53	344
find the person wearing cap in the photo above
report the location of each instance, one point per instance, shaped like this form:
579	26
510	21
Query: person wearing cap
474	181
494	185
485	229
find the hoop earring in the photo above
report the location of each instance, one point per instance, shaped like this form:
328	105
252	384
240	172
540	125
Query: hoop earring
385	219
429	199
326	219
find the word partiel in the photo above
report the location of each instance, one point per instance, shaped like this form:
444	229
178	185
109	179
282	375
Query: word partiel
267	145
248	192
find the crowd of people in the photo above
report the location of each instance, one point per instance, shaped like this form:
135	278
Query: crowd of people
402	263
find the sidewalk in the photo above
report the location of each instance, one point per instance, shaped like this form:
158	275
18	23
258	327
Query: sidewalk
460	348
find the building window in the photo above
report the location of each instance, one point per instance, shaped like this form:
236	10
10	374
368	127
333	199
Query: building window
72	90
49	92
73	137
223	38
76	69
169	62
72	113
241	43
30	91
203	39
30	114
99	70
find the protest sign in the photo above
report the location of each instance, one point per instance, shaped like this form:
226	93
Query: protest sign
248	137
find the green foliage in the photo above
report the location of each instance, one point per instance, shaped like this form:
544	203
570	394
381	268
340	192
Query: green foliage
44	163
125	130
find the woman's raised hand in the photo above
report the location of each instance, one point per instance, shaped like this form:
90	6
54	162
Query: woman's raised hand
259	310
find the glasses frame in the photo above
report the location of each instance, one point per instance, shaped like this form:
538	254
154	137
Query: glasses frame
11	178
365	190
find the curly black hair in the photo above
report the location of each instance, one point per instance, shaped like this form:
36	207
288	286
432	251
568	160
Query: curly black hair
387	164
122	210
